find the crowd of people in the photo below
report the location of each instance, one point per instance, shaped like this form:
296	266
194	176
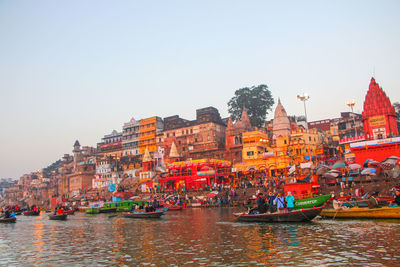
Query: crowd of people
274	202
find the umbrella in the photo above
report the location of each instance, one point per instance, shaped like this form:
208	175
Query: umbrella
322	169
212	194
338	165
355	166
368	171
370	162
332	174
388	163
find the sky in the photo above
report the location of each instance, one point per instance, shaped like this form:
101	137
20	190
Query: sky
76	70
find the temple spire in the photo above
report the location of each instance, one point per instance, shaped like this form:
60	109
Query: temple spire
173	153
147	157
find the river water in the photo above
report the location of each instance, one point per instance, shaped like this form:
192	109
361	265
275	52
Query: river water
193	237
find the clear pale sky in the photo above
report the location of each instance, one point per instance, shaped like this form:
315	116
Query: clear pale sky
79	69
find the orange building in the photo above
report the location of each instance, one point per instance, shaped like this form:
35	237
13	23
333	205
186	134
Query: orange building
148	129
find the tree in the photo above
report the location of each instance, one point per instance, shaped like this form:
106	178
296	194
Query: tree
257	100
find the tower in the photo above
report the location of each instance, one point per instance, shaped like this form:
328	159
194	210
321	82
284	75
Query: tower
379	116
281	123
77	154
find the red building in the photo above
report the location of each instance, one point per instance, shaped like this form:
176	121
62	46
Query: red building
380	127
195	174
379	116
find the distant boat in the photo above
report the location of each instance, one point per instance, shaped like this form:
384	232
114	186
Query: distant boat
301	215
32	213
143	214
8	220
60	217
367	213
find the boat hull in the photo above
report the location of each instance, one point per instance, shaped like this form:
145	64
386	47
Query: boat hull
59	217
302	215
31	213
69	212
360	213
8	220
108	210
92	211
155	214
309	203
174	207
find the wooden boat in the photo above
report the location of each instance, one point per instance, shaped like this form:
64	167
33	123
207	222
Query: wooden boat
8	220
18	212
31	213
143	214
367	213
60	217
69	212
307	203
174	207
302	215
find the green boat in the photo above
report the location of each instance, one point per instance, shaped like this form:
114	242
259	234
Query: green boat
119	206
308	203
92	210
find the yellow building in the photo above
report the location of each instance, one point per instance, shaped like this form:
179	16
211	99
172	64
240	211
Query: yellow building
303	144
288	147
148	129
258	155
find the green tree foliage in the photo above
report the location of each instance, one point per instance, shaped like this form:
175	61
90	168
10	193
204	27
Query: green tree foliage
257	100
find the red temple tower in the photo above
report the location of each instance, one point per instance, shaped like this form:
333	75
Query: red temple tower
380	127
379	116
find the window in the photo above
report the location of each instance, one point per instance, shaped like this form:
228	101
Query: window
191	131
285	142
250	153
179	142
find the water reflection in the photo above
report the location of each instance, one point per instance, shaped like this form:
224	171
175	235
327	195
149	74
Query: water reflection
208	237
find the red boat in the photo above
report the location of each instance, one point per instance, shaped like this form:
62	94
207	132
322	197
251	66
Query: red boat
69	212
174	207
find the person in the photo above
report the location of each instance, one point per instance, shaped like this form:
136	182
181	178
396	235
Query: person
261	206
373	202
280	203
132	208
396	202
60	211
55	210
271	198
7	214
289	201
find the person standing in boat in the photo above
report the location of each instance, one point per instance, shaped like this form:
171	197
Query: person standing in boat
280	203
271	198
289	201
261	206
